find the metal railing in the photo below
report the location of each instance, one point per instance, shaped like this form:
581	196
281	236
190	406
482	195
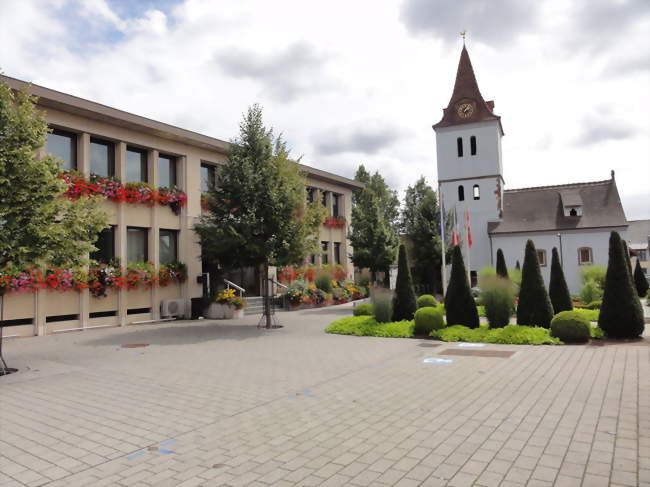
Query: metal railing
230	284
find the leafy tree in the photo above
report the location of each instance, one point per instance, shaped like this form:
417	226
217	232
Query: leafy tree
557	288
621	314
257	214
404	303
374	224
640	282
38	225
534	307
502	269
518	266
421	224
460	306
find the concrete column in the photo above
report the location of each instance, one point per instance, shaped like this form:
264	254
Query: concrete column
154	249
120	244
83	166
185	233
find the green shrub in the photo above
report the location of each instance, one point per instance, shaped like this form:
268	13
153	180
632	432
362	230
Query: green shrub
481	311
596	332
498	298
534	307
426	300
324	282
427	319
594	273
364	281
588	314
640	281
404	304
594	305
515	277
510	334
460	306
558	291
591	292
502	269
486	273
364	309
382	305
571	327
368	326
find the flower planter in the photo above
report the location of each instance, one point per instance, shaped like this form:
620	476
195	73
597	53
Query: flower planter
217	311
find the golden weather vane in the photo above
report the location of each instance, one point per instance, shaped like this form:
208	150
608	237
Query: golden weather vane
463	34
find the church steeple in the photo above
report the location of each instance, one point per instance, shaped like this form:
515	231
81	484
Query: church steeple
466	104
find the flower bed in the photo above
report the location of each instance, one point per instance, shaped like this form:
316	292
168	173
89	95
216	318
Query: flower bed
113	190
301	294
308	273
334	222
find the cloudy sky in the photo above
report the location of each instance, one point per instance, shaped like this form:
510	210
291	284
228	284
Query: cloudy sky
362	81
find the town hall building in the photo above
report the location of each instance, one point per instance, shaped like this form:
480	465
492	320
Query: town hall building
576	218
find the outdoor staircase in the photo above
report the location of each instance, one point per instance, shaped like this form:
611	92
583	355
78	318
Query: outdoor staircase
256	304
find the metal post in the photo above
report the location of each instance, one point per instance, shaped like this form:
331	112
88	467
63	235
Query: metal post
559	235
442	238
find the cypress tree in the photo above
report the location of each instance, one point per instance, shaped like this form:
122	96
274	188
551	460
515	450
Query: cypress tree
640	281
558	291
517	266
626	253
404	303
621	314
460	306
502	269
534	307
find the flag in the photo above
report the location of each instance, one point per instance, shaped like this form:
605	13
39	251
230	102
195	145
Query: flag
468	229
455	237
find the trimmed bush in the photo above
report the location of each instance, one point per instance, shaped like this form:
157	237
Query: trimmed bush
558	291
382	305
324	283
404	304
571	327
498	298
427	319
594	273
590	292
588	314
640	282
368	326
426	300
517	266
460	306
512	334
534	307
364	309
621	314
502	269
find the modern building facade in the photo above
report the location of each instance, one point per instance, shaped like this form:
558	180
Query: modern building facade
95	139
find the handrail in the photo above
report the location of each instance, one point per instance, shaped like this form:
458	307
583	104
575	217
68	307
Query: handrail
230	283
278	283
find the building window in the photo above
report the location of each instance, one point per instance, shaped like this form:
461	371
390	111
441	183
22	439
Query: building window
477	192
459	146
166	171
102	158
643	255
208	177
168	240
585	256
472	145
105	246
323	195
325	253
335	204
310	194
337	252
136	165
64	146
137	245
541	257
312	259
461	193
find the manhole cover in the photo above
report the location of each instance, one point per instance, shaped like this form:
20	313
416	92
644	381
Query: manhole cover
478	353
135	345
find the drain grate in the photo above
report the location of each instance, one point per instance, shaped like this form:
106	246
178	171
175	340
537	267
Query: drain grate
478	353
135	345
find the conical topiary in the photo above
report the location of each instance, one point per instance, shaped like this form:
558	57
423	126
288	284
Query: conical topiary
534	308
404	303
460	306
517	266
502	269
558	291
640	281
621	314
626	253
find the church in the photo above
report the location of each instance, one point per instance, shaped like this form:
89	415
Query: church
576	218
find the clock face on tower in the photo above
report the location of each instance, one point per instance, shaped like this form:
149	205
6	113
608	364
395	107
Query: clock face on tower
465	110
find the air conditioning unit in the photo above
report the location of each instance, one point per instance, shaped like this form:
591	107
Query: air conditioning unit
172	308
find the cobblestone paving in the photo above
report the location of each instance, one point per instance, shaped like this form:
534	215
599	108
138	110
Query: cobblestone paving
223	403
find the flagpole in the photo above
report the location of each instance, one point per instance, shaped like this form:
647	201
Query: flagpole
442	238
469	263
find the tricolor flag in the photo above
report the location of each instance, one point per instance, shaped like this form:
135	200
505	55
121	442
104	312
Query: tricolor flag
468	228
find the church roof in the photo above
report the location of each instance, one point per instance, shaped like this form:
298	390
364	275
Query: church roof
466	90
541	209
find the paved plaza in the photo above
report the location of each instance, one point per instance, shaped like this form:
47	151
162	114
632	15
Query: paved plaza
211	403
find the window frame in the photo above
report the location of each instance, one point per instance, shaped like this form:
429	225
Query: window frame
459	146
144	164
337	253
146	231
543	262
461	192
335	204
472	145
95	255
324	197
174	234
591	256
173	170
74	152
476	192
310	190
324	259
211	169
110	163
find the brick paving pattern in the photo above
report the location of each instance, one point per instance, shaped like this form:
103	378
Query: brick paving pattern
223	403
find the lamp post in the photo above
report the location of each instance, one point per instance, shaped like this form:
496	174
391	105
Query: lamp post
559	236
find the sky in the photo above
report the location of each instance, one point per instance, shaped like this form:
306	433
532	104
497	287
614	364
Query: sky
362	82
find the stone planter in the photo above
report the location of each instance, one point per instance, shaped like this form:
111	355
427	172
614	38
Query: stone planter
217	311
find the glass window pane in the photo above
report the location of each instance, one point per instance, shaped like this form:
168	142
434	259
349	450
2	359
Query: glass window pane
136	166
208	177
168	247
102	158
335	204
166	171
337	252
64	146
105	246
136	244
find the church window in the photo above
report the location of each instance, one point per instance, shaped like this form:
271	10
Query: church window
477	192
461	193
459	146
585	256
573	212
472	145
541	257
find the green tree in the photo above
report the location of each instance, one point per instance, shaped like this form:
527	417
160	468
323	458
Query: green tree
621	314
257	214
558	290
640	281
404	303
38	225
502	269
420	222
374	224
460	306
534	307
518	266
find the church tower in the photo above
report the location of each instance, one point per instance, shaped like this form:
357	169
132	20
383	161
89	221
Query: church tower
470	172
